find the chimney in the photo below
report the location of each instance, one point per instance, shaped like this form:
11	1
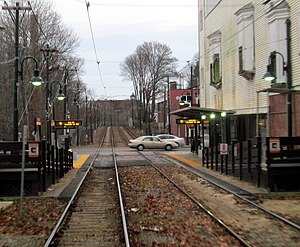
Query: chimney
173	85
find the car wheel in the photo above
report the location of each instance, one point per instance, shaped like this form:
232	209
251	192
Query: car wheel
168	147
140	147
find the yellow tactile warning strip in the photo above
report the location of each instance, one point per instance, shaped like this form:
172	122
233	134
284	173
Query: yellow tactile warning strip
78	163
185	160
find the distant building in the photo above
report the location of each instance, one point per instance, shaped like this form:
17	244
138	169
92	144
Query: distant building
169	101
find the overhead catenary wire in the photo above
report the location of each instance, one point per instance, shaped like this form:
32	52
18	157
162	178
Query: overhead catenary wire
94	45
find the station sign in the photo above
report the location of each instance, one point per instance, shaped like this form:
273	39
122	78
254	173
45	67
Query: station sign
223	148
187	121
68	123
274	145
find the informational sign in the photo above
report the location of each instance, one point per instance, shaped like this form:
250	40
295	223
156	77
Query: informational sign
206	140
223	148
191	126
68	123
274	145
187	121
33	149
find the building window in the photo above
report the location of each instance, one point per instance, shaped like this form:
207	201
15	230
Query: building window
298	34
215	59
246	55
216	70
241	60
277	14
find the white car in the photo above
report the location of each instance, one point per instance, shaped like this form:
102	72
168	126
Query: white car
171	138
143	142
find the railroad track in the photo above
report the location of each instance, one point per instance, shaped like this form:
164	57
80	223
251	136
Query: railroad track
94	215
158	202
265	228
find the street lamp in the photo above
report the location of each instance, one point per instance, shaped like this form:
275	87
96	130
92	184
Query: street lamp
36	80
270	76
60	96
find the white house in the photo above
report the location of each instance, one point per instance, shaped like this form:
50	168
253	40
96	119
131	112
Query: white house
238	41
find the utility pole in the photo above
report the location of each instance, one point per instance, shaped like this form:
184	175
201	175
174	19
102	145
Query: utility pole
169	106
47	52
77	112
17	8
86	119
191	84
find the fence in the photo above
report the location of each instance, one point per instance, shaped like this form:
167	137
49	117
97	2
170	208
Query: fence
273	164
242	160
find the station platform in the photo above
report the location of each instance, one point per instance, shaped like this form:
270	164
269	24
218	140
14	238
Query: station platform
220	179
183	156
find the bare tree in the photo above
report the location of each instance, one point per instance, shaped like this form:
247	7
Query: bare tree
151	62
40	28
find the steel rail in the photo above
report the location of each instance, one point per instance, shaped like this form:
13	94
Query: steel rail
219	221
123	216
198	173
125	138
56	229
71	201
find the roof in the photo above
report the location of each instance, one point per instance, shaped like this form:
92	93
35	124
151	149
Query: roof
196	111
277	90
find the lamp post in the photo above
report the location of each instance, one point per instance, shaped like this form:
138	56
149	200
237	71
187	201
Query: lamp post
50	105
86	119
164	111
132	98
169	106
36	80
270	76
76	102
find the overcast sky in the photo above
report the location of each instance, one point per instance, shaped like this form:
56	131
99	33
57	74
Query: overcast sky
119	27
